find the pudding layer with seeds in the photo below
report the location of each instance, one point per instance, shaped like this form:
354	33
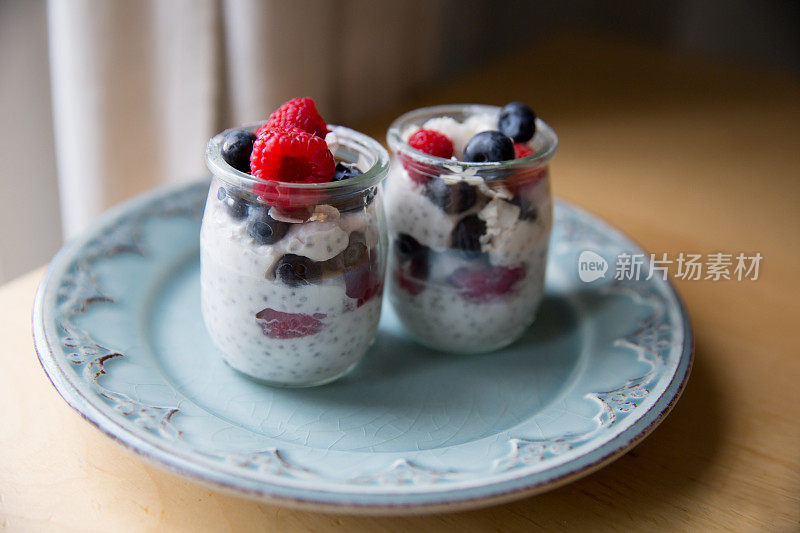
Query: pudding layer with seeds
274	331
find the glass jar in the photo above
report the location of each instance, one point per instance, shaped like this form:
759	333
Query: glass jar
469	240
293	298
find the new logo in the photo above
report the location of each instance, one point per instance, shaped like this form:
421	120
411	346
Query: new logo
591	266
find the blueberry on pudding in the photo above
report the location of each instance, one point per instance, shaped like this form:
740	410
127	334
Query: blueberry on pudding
237	147
517	121
489	147
263	228
469	216
291	247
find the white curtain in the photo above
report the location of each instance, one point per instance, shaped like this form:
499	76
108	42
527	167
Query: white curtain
137	88
29	214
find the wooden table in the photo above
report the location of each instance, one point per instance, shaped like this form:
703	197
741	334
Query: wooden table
683	155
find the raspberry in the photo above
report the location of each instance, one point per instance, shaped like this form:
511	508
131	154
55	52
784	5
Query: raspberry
363	282
293	155
279	325
485	284
290	155
298	113
430	142
290	201
524	177
522	150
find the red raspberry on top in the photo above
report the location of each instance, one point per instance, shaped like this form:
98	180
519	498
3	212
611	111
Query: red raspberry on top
430	142
290	155
298	113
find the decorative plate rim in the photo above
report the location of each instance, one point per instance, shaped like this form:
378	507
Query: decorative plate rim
445	499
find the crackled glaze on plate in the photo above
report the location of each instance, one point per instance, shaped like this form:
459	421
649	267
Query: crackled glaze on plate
118	330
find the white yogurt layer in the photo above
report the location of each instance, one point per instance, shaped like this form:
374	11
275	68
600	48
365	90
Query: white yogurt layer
236	284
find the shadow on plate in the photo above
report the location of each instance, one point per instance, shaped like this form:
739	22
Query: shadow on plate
519	380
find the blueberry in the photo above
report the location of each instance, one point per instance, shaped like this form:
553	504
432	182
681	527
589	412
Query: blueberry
295	270
416	254
345	171
408	247
235	203
357	202
263	228
527	211
518	121
350	257
467	234
452	199
489	146
236	149
356	250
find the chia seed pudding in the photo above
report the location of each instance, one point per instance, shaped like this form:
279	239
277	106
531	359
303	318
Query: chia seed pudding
292	271
469	215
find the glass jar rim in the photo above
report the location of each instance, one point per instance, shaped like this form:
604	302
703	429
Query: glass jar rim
394	137
346	137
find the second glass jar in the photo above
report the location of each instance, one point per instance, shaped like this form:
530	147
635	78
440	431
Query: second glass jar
469	241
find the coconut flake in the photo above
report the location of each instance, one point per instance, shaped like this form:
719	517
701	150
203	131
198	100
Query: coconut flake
279	215
333	141
500	216
324	213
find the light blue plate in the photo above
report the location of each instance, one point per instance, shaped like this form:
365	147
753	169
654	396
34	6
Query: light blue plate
118	330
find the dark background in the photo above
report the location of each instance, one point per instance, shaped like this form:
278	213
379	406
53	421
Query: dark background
752	31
